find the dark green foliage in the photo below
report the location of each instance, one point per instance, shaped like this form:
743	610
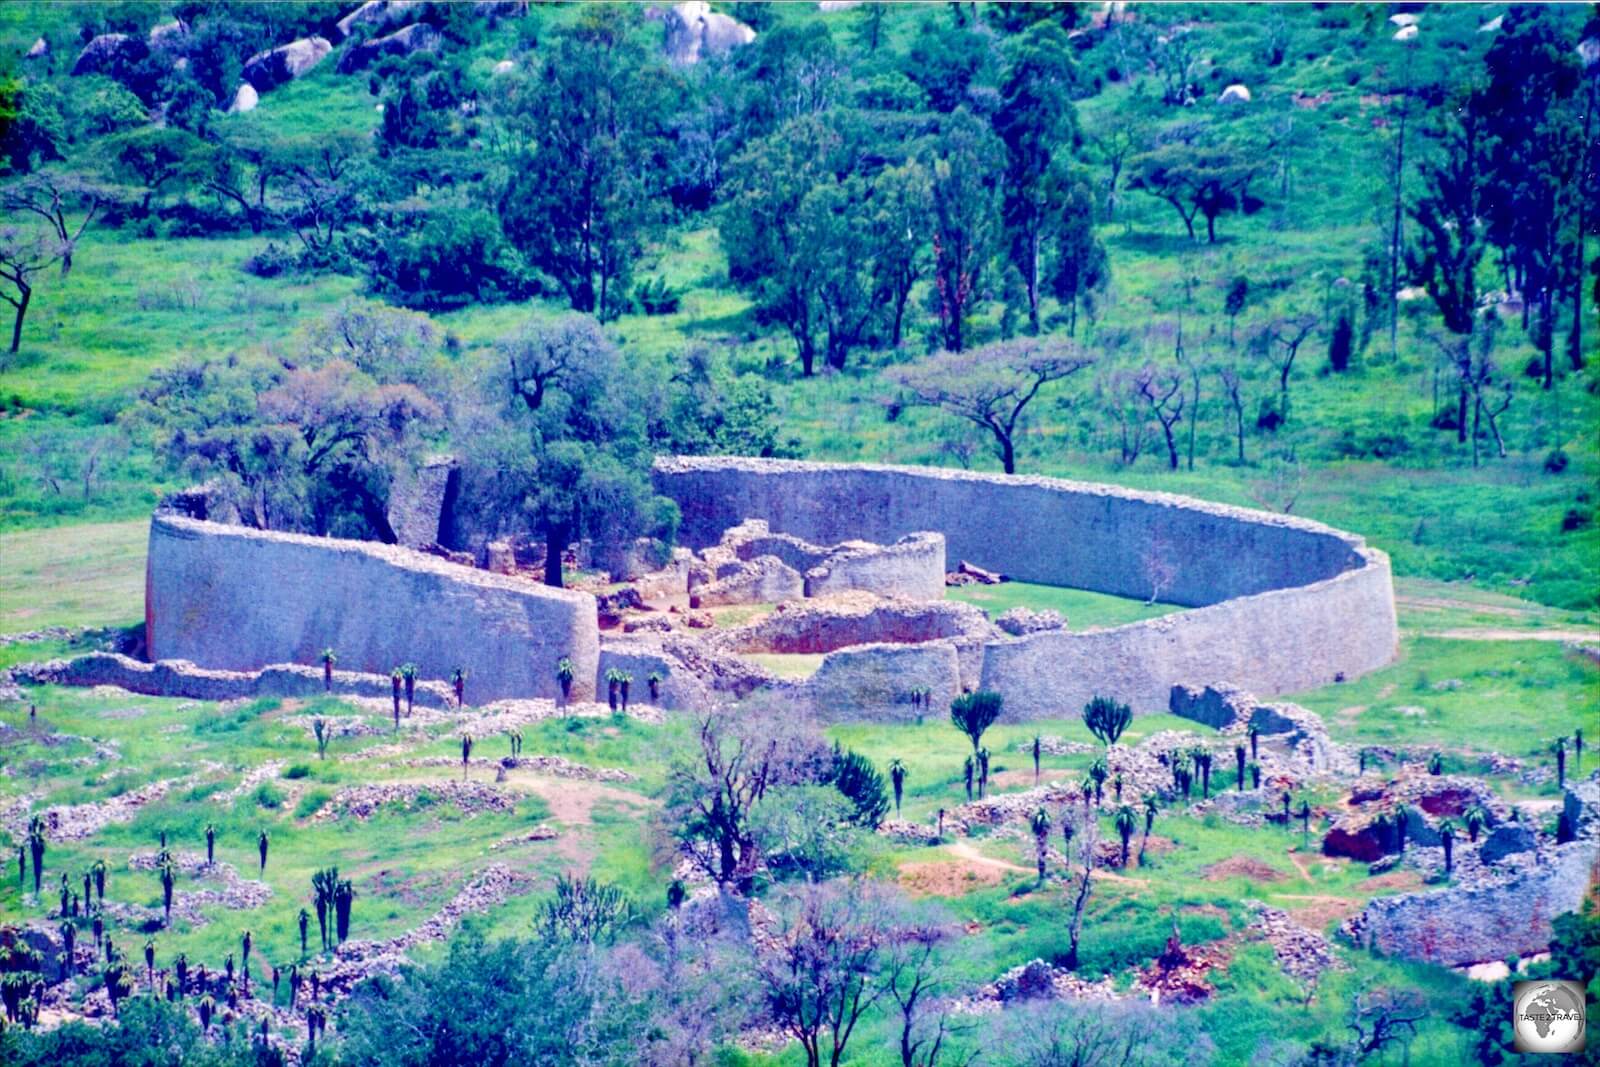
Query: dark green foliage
1106	719
446	257
853	775
973	713
148	1033
583	910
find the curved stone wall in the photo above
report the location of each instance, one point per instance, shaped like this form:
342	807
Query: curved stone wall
235	598
1282	604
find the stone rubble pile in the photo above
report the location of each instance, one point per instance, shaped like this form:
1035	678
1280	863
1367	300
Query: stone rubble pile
555	766
1303	954
1034	980
74	822
364	801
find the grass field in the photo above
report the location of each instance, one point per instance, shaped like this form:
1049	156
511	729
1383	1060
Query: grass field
73	576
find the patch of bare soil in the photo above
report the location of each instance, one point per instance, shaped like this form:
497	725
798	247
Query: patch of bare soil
1396	880
949	878
572	800
1316	912
1247	867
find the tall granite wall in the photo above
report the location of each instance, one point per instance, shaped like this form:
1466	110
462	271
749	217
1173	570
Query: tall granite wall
1281	604
234	598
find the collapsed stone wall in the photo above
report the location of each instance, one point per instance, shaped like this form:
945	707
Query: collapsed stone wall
832	623
238	599
911	567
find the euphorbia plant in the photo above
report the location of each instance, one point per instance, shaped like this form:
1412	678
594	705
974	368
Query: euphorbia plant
328	660
458	680
408	674
396	680
654	680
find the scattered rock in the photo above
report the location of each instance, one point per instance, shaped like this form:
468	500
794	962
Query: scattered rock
1235	94
694	30
111	54
1303	954
1020	621
418	37
39	50
245	98
364	801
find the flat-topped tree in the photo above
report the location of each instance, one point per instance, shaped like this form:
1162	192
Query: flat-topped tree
993	385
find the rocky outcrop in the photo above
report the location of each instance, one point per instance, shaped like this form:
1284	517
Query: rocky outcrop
417	37
39	50
1235	94
245	98
111	54
694	31
418	500
362	802
266	70
1230	710
380	16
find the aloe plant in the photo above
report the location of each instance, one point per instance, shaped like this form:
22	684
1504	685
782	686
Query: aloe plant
1152	805
344	895
99	872
466	754
168	880
564	676
261	847
654	681
150	963
1097	773
211	844
319	727
1476	817
458	682
1040	825
1436	764
305	922
408	674
1447	838
897	777
36	849
1035	759
1238	772
328	660
396	680
966	771
1126	820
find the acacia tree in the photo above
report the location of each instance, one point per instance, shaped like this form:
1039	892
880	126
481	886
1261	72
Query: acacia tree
55	198
1278	342
992	386
913	976
1162	395
1198	176
23	254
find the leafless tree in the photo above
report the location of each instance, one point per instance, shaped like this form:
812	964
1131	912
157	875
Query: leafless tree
55	198
819	967
991	386
23	254
1117	398
1479	384
1159	569
1383	1017
1233	390
1085	843
1162	394
916	981
1280	489
1278	342
1088	1034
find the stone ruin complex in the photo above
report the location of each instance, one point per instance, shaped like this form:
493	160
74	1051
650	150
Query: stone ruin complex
855	559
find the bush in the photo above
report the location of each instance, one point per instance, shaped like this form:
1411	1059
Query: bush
655	298
271	261
311	801
268	796
298	770
1556	461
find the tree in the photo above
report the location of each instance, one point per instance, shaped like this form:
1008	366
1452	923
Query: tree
583	910
914	978
1081	847
1107	719
55	198
859	782
1452	236
796	234
557	443
963	160
897	775
1383	1017
1080	268
580	199
737	759
1162	395
1152	805
973	713
157	157
22	255
1533	117
1198	177
992	386
1278	342
1035	119
901	201
819	971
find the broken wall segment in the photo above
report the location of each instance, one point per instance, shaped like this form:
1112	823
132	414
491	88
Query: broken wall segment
873	683
912	566
239	599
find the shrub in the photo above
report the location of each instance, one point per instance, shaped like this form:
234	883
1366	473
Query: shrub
1556	461
270	262
311	801
268	796
298	770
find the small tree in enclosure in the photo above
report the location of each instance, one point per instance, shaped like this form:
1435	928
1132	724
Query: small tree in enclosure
973	713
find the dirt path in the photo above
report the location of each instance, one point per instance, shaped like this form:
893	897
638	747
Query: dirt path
1493	633
967	852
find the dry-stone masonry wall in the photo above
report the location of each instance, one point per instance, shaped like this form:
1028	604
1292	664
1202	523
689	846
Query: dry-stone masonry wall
1281	604
912	567
238	599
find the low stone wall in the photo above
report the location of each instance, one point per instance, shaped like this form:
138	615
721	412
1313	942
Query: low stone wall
238	599
180	678
911	567
832	623
873	683
1269	643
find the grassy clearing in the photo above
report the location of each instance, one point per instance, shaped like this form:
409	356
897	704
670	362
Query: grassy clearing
1084	610
73	576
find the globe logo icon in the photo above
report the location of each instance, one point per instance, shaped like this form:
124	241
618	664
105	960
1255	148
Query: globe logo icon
1549	1017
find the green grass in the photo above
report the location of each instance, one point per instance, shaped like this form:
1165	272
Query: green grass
1084	610
72	576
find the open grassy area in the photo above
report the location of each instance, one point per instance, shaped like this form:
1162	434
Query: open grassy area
73	576
1083	610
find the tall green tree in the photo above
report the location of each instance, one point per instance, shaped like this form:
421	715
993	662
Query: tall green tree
966	162
1038	125
581	198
